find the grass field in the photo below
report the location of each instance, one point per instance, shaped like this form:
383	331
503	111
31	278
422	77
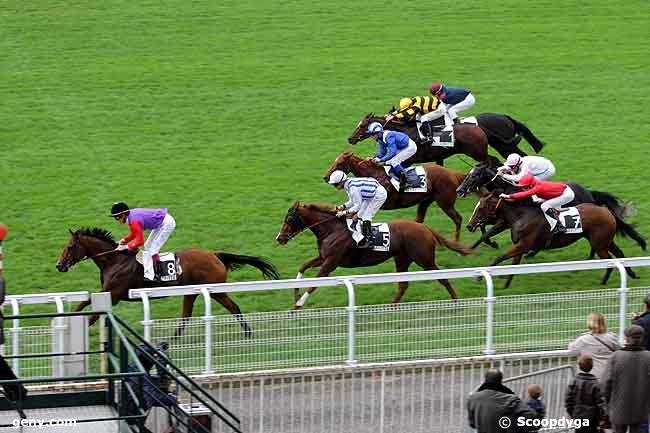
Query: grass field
227	112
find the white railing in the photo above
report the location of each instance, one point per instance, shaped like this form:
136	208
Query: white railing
32	340
207	333
416	396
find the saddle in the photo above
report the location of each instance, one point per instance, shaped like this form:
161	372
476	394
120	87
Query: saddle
167	269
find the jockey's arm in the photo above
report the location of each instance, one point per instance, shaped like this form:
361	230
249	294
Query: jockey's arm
514	178
526	193
135	236
382	150
406	115
392	150
352	205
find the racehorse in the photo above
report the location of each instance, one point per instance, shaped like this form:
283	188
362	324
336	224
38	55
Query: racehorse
409	242
485	175
120	271
441	186
529	230
501	132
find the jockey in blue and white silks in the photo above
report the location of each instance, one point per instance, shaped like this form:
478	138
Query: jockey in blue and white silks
394	148
365	197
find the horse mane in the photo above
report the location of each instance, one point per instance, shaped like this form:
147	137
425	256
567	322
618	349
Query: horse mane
319	207
97	233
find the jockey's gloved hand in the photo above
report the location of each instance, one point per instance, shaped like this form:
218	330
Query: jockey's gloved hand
122	247
341	213
504	195
122	242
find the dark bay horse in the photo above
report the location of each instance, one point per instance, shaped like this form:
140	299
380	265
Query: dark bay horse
120	271
485	175
501	132
441	187
529	230
409	242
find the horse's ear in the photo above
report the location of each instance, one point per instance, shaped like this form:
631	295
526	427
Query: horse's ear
296	204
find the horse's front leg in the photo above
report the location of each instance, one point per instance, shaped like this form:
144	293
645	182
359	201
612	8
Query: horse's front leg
516	250
316	261
329	264
499	227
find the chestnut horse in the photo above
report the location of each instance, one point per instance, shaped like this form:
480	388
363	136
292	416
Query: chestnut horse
501	132
120	271
409	242
441	187
529	230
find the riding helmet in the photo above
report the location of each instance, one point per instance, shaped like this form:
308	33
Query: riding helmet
337	177
435	88
375	128
405	103
119	208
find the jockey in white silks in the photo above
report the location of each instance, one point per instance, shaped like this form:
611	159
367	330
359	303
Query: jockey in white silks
518	166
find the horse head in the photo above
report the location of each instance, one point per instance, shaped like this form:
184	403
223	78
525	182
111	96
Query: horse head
342	162
360	132
485	212
84	243
292	224
479	176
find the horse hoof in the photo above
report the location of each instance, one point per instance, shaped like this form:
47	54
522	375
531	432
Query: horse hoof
493	245
248	333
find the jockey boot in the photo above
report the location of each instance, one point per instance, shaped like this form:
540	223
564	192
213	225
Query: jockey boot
457	121
366	231
559	227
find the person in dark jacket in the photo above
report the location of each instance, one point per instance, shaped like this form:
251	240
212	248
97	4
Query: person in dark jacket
535	400
626	384
643	320
584	398
493	401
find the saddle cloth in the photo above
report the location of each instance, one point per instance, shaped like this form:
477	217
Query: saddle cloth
170	266
472	120
380	240
570	217
419	172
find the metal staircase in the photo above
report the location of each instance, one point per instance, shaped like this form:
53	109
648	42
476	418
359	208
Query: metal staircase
120	397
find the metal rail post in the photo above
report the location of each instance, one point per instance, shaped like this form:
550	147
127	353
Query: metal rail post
59	332
351	308
15	337
622	291
208	318
146	322
489	323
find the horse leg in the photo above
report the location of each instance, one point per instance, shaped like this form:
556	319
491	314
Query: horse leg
186	313
422	210
316	261
516	250
618	253
515	261
328	266
82	305
401	265
427	261
603	253
499	227
233	308
450	210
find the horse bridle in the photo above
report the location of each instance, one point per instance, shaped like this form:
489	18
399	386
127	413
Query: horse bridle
295	221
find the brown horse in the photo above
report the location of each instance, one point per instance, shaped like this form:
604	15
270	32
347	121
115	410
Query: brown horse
120	271
441	186
409	242
530	231
501	132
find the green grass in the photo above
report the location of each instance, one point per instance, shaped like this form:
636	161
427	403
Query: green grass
227	112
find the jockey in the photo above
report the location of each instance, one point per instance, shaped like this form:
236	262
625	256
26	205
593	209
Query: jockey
518	166
554	194
419	108
394	148
365	197
456	99
159	221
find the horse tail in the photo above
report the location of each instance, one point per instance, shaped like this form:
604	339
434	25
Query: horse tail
612	203
627	230
235	261
522	129
449	244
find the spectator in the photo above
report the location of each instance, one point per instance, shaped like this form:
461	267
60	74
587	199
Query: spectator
493	401
626	384
535	400
584	398
643	320
597	342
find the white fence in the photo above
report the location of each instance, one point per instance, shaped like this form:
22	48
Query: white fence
382	333
415	397
40	340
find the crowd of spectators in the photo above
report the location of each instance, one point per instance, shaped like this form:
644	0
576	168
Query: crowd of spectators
611	388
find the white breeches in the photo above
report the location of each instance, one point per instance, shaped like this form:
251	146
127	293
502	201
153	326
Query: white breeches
463	105
556	203
433	115
370	207
403	154
155	242
545	174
